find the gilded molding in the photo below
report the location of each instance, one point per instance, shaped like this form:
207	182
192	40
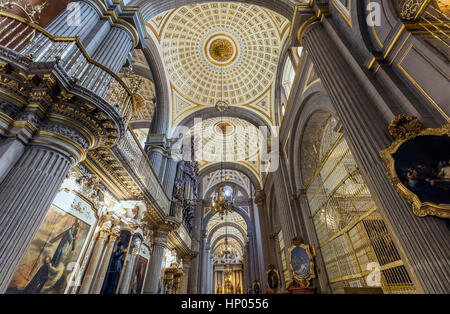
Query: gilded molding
405	128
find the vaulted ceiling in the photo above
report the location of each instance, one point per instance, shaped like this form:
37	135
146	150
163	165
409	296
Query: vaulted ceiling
220	50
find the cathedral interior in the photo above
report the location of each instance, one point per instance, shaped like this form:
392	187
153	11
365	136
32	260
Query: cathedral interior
224	147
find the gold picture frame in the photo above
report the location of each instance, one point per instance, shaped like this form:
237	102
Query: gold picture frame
406	129
270	269
300	248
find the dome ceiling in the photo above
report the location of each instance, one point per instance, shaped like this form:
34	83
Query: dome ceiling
222	50
227	139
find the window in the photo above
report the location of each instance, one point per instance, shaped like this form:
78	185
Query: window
288	77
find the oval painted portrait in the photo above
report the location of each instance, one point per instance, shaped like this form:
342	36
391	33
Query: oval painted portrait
301	264
273	280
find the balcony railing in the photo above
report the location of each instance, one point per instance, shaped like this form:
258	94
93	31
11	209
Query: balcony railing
34	42
132	151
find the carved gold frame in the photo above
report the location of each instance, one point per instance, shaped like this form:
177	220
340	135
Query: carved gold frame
257	282
420	208
272	268
305	282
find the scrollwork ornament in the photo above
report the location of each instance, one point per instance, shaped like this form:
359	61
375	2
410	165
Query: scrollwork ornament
66	132
404	127
412	9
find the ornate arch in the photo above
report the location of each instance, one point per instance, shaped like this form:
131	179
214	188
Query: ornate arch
224	224
232	184
150	8
238	210
219	238
232	166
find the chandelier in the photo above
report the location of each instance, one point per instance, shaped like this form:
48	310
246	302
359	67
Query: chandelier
221	203
222	105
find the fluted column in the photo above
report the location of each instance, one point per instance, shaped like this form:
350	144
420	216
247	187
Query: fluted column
114	49
155	149
185	280
65	23
25	197
115	233
128	272
424	241
95	257
169	175
154	271
10	151
284	209
201	277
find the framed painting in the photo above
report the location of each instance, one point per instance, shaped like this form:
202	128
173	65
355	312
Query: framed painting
273	279
50	262
301	262
256	287
418	165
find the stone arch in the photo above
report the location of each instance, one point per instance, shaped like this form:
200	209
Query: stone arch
279	77
232	184
150	9
216	241
314	100
231	166
224	224
211	112
160	121
238	210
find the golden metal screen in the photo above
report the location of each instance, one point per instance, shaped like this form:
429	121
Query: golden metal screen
351	232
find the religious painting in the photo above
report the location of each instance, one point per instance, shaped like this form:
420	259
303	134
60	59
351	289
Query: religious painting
354	174
418	165
116	263
301	262
256	287
273	279
47	265
137	280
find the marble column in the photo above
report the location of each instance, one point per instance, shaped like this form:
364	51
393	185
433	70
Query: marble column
154	271
155	147
25	197
423	242
202	263
284	208
95	257
62	26
185	280
194	276
128	272
114	49
115	233
169	175
11	148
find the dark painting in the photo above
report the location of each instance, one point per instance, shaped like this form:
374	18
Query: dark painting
273	280
423	166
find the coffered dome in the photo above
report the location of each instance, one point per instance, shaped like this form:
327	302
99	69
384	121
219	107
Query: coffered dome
220	50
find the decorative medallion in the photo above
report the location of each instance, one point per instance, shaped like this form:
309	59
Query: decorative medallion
301	262
221	49
273	279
